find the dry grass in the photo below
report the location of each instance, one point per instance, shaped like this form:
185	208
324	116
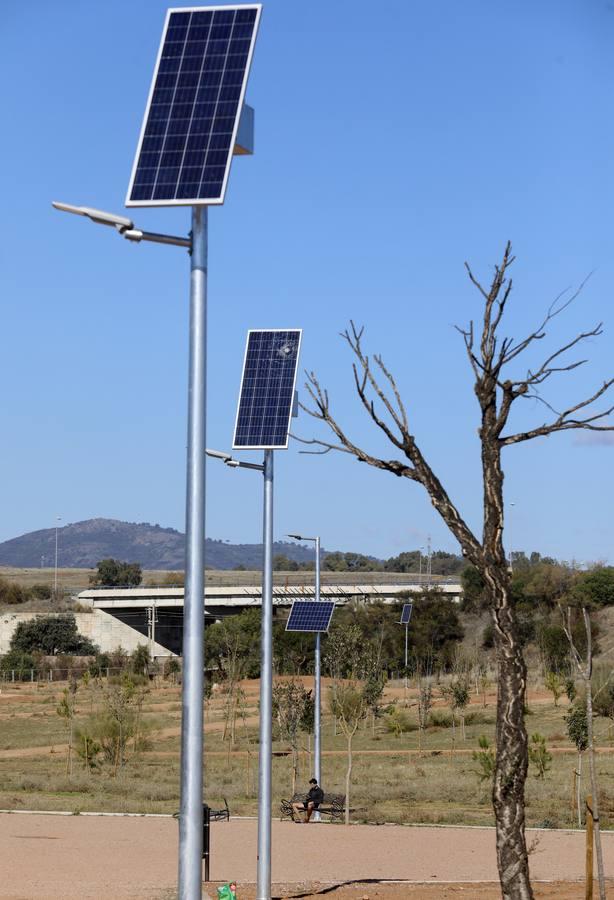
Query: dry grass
390	784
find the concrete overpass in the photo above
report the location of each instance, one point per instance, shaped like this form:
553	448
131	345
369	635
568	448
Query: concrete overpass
228	593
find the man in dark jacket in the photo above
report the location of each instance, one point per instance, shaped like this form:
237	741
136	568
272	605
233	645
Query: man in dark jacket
314	797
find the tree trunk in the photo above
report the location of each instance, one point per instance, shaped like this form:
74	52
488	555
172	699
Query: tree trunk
591	763
512	760
348	779
579	791
512	756
294	767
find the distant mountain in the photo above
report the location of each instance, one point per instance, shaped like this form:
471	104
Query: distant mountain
83	544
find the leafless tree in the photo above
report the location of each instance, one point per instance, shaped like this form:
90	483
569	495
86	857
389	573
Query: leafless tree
585	670
490	357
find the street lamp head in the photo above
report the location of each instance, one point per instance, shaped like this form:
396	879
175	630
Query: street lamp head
99	216
296	537
218	454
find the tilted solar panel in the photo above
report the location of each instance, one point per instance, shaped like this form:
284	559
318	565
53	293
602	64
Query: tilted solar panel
267	389
195	100
406	613
310	615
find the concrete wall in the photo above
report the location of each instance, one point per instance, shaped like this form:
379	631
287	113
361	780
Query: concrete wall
104	630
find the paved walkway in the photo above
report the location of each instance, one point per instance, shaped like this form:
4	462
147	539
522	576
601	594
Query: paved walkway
70	857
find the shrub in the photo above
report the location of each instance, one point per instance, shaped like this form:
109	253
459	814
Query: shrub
12	594
398	721
485	758
539	755
19	662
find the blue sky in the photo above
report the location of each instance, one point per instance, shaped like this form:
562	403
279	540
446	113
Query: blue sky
394	141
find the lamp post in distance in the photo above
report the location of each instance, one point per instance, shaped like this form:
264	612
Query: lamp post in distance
317	675
55	575
265	739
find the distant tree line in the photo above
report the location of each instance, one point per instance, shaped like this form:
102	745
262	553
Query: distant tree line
233	645
442	563
539	587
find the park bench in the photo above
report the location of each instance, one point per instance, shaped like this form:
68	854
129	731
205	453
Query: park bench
332	806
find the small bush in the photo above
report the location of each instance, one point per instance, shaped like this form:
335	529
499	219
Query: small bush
485	758
441	719
398	721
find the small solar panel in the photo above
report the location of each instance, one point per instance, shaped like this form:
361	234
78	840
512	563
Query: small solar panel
310	615
406	613
266	398
195	101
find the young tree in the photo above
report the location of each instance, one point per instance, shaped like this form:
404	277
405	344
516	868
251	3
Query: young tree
349	705
425	702
585	670
577	729
485	758
497	389
555	684
66	709
539	756
457	697
293	709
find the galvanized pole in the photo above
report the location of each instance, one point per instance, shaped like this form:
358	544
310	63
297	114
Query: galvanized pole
406	636
191	813
317	730
263	889
55	577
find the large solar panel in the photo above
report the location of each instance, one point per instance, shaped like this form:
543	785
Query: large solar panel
195	100
267	389
406	613
310	615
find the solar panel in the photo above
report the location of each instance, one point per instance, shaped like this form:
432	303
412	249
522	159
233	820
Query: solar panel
267	389
310	615
195	100
406	613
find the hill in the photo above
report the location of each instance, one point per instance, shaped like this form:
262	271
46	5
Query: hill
83	544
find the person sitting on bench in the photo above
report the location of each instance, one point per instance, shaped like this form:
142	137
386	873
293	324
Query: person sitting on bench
312	801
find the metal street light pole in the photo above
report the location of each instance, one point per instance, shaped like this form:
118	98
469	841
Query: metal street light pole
317	676
55	577
192	688
265	748
191	816
263	886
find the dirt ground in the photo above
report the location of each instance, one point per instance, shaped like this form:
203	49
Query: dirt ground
134	858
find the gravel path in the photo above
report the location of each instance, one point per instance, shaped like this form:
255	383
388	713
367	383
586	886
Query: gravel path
69	857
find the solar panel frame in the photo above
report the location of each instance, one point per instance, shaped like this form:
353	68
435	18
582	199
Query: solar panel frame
322	610
260	445
200	201
406	613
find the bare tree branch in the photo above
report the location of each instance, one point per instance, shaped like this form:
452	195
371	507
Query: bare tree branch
564	422
540	331
419	470
322	412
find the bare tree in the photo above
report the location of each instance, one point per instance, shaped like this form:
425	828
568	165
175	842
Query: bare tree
585	670
67	709
490	356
